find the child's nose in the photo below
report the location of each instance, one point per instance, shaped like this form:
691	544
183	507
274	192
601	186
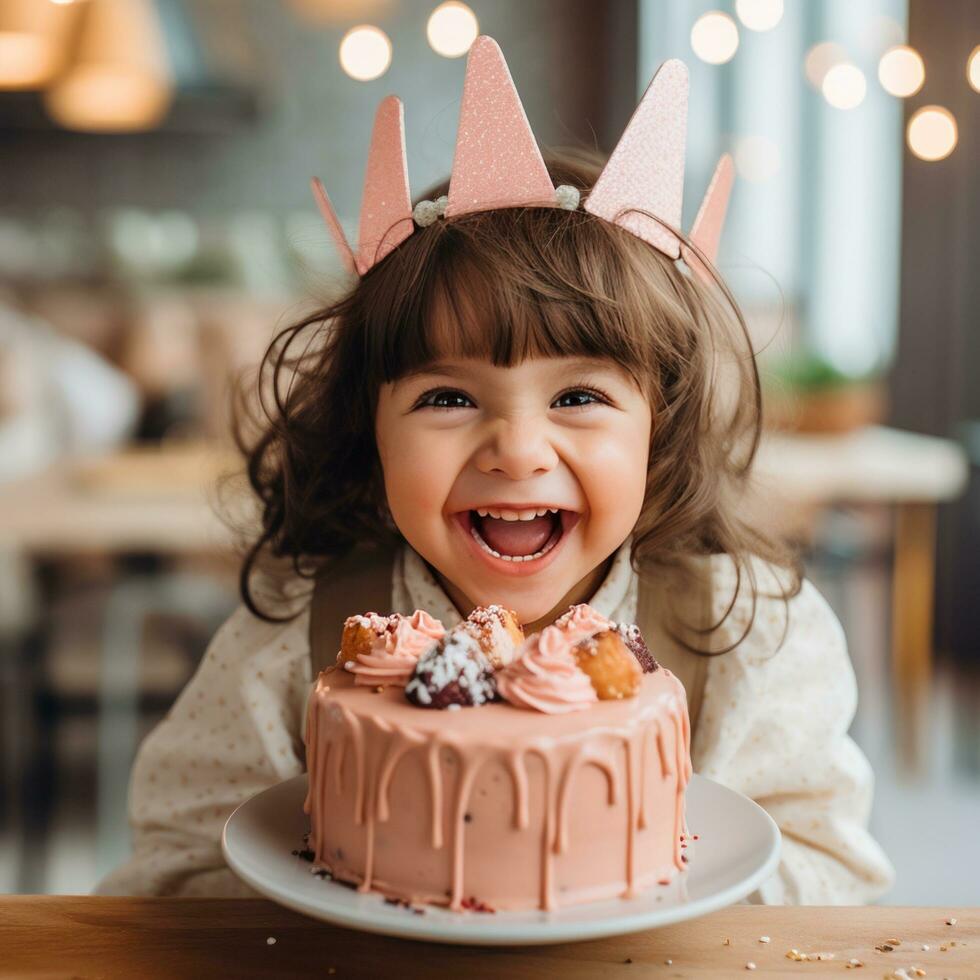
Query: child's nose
518	448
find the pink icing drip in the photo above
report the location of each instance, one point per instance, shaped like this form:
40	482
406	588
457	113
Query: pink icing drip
395	652
376	748
545	676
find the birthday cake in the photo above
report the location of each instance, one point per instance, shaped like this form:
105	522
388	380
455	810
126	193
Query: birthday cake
477	768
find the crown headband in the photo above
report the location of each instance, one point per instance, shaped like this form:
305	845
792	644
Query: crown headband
497	164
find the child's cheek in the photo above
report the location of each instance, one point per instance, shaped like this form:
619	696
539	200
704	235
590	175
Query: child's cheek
614	471
417	479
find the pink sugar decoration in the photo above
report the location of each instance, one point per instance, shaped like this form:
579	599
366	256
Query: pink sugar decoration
497	162
707	227
386	206
646	170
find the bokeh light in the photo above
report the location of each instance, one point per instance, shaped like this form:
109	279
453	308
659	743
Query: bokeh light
932	133
901	71
844	86
365	53
452	29
820	59
973	68
26	60
759	15
714	38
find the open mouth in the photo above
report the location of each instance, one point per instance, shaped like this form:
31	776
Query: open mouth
518	534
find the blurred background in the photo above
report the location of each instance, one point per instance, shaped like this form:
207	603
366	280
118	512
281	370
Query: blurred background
156	228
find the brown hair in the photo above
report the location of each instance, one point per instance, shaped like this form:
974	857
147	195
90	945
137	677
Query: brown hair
538	281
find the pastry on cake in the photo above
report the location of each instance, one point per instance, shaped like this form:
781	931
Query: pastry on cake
384	649
497	630
361	632
453	673
555	774
612	669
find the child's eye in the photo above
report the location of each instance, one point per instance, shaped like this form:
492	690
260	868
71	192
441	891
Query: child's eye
443	398
581	397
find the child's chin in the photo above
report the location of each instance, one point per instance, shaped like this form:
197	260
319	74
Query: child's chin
530	600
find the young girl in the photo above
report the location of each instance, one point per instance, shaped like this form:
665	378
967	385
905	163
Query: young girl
493	363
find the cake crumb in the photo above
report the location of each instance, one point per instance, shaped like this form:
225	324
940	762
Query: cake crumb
271	941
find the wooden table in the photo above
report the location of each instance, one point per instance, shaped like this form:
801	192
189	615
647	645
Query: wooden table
158	499
89	937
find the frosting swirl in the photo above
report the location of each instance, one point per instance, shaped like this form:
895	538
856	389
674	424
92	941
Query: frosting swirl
394	653
544	676
580	622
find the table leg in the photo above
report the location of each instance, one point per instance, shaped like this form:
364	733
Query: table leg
913	586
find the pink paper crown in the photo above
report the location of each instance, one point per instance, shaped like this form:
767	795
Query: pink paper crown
497	164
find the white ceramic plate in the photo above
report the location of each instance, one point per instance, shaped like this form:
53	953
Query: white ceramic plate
738	849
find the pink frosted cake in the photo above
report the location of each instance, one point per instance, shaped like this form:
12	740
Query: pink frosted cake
477	769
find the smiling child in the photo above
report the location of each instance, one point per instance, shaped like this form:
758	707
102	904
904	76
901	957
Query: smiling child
532	406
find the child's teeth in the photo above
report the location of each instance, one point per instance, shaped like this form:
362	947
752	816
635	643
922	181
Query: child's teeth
516	515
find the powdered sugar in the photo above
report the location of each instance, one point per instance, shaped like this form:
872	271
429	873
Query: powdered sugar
487	625
453	672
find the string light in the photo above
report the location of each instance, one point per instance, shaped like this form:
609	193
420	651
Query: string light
901	71
973	68
714	38
759	15
844	86
365	53
452	29
932	133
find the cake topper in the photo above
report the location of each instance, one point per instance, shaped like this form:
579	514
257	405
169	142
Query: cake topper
497	164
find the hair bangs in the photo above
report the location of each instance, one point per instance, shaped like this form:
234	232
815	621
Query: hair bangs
487	290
